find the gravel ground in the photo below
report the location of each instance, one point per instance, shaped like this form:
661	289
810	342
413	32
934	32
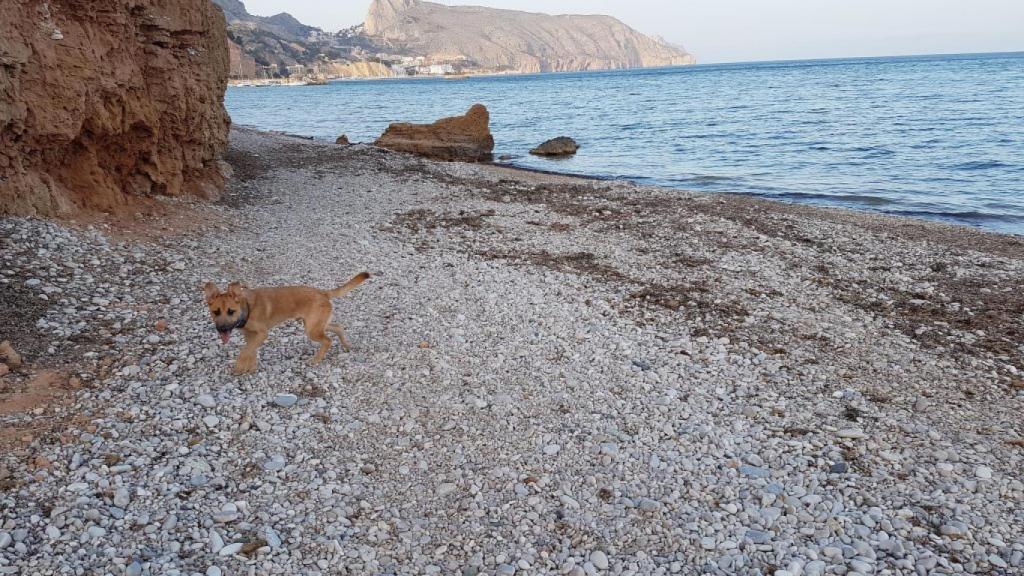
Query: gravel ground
548	376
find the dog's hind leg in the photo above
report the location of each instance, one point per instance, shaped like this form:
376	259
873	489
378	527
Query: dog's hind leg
340	331
315	332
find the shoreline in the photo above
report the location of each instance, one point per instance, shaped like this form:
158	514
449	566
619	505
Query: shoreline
460	76
549	375
948	220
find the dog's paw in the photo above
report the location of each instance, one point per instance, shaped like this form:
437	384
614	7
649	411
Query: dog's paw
241	370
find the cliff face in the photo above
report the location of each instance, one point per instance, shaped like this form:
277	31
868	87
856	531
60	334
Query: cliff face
518	41
102	99
358	70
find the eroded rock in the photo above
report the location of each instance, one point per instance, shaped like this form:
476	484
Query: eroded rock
98	105
459	138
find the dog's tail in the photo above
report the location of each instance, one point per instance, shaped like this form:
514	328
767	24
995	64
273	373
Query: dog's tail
348	286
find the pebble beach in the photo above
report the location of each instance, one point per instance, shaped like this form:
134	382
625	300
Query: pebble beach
549	375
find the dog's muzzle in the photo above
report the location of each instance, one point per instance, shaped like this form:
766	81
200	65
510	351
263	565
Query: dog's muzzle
225	329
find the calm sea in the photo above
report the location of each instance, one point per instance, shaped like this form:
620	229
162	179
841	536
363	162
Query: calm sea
938	137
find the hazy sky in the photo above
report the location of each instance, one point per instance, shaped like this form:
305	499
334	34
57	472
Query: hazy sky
738	30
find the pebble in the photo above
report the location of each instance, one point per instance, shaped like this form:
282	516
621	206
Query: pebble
599	560
286	400
852	434
272	537
754	471
122	498
983	472
206	401
758	536
954	529
276	462
815	568
649	505
230	549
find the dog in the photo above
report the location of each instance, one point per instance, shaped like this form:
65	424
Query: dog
255	311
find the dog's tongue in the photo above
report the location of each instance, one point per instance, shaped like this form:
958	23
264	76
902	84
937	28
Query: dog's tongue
225	336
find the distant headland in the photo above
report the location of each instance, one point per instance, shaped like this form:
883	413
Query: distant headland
402	38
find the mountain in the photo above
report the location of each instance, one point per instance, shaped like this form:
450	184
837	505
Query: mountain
283	25
409	37
507	40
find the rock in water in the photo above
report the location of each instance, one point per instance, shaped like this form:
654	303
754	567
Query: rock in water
561	146
459	138
97	105
343	140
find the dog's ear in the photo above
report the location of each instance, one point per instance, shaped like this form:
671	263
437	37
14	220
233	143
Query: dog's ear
236	290
210	290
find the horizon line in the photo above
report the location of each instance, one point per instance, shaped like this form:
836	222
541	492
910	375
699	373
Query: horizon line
827	58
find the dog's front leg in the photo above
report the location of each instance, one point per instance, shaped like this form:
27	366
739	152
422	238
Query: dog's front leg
246	363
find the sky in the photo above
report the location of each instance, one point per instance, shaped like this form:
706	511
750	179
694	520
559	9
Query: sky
750	30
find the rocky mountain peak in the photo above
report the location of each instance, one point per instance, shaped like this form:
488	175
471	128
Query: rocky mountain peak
384	14
514	41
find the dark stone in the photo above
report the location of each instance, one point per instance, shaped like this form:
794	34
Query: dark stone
561	146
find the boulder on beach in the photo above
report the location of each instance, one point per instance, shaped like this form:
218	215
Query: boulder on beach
561	146
459	138
343	140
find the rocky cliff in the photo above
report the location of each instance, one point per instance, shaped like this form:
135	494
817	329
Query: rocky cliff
358	70
495	39
103	99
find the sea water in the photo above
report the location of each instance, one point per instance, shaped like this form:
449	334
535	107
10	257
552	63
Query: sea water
939	137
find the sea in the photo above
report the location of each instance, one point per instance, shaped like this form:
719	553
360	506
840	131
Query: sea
935	137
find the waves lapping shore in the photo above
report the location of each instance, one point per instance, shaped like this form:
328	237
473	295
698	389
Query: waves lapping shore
550	375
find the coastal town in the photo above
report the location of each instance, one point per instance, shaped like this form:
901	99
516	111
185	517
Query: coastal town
245	71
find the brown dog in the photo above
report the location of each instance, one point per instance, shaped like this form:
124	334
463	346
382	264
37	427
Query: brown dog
255	311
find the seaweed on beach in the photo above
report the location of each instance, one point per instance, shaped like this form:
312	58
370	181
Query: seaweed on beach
992	315
580	263
423	219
